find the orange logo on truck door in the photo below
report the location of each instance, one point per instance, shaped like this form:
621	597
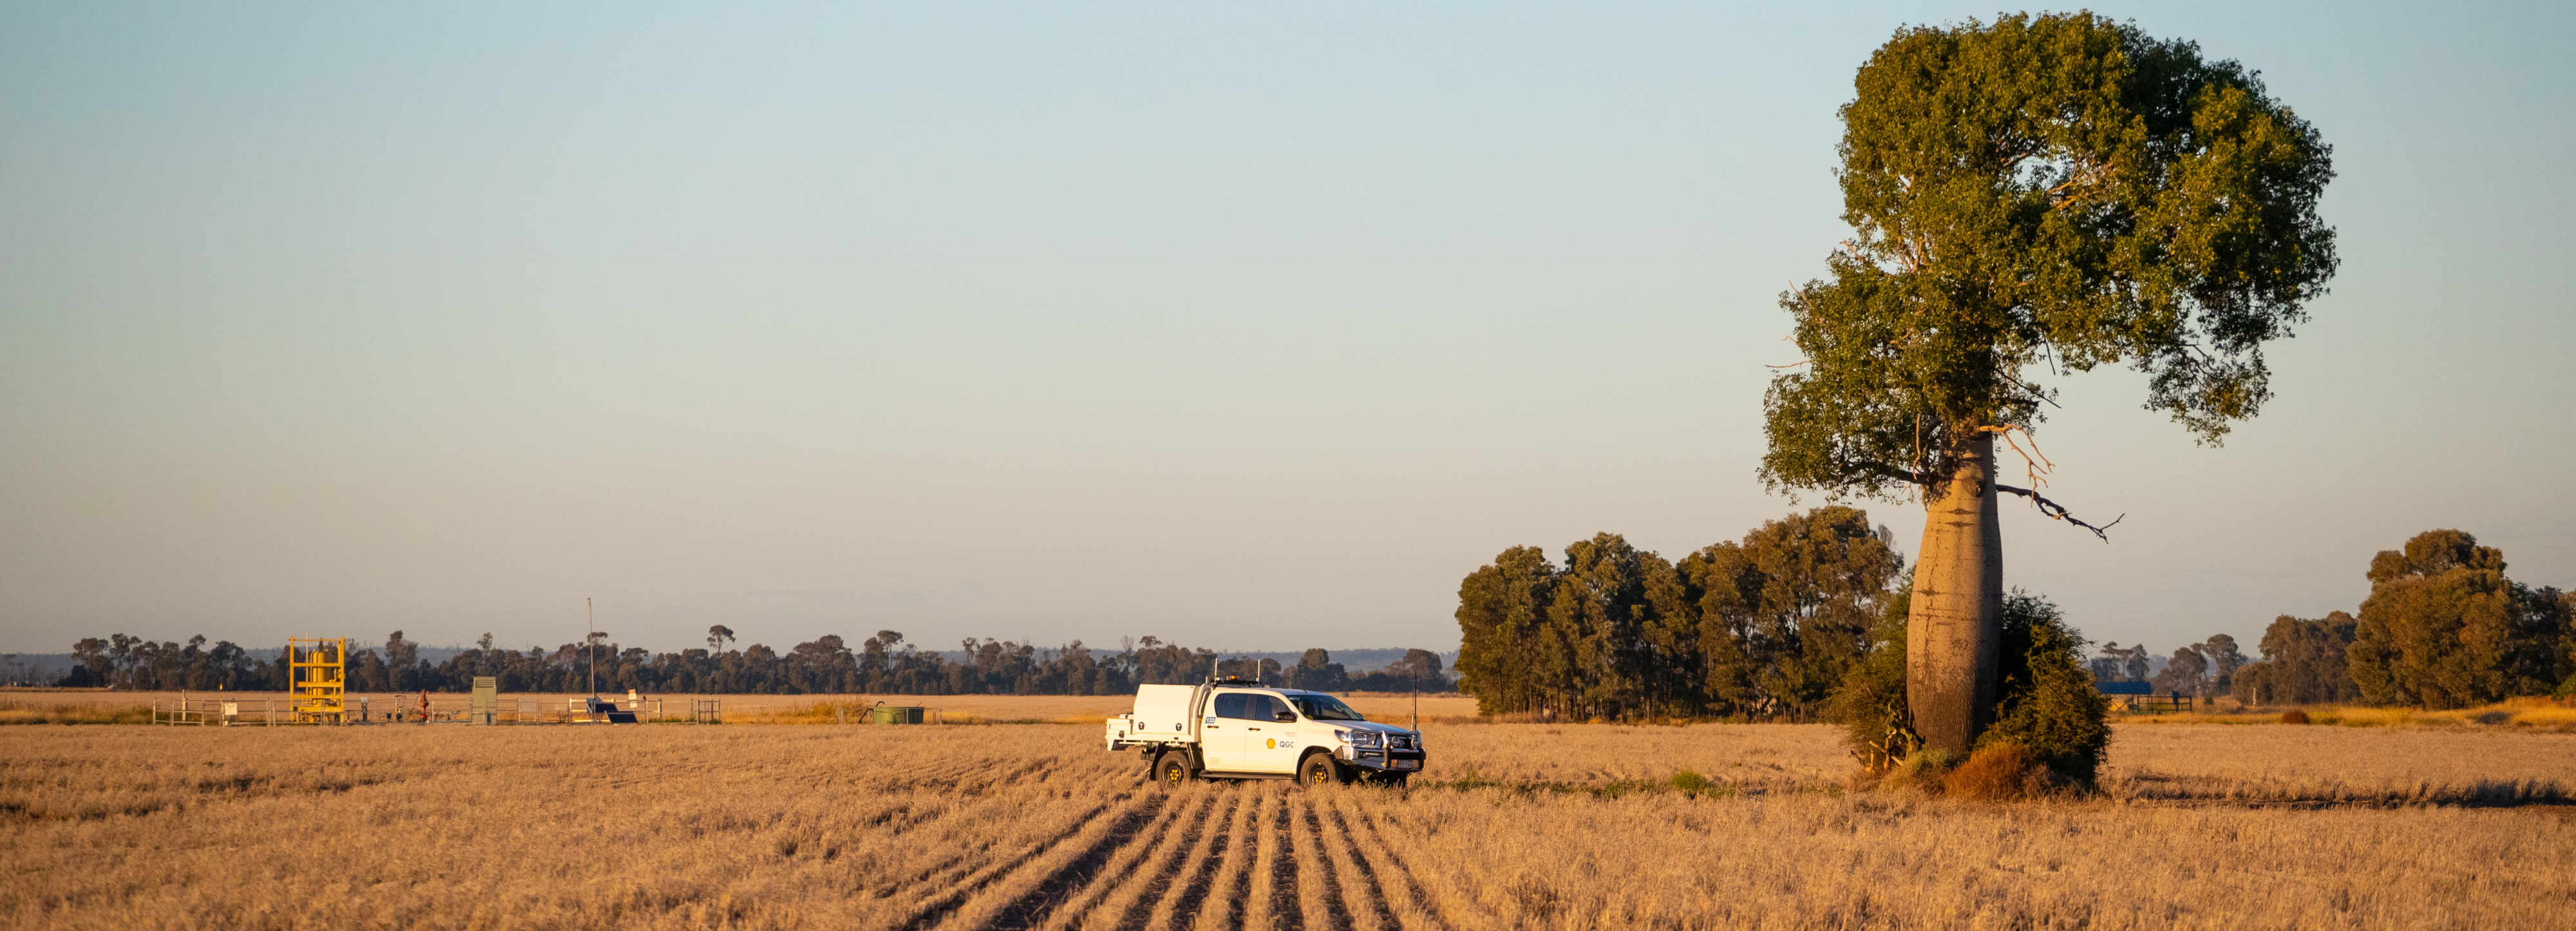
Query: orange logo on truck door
1273	744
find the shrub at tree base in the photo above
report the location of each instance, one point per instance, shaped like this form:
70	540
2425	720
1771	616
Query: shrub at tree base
2046	702
1871	703
1998	772
2294	716
2046	705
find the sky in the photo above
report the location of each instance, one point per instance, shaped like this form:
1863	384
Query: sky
1244	326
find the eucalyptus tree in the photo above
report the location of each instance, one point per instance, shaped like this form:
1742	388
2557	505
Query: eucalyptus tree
2030	199
2445	628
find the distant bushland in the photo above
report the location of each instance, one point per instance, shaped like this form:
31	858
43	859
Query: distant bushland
882	664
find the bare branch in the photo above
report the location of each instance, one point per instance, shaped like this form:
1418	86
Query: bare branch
2058	511
2035	393
2054	510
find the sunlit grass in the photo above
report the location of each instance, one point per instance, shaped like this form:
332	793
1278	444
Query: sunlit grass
2536	713
1515	825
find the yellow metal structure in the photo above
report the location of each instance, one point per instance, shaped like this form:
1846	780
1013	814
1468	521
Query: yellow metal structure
317	675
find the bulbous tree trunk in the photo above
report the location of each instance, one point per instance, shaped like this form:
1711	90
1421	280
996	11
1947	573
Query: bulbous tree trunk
1954	625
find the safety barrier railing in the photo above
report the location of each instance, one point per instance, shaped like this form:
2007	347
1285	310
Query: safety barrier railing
223	712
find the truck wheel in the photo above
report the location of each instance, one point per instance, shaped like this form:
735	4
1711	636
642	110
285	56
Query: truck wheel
1172	771
1318	770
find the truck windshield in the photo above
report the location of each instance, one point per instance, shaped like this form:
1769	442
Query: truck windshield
1325	708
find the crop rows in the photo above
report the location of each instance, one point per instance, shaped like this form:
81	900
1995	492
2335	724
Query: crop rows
1203	856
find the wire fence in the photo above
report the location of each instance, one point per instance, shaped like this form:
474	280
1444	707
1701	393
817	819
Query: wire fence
401	709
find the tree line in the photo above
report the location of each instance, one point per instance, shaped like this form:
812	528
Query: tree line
884	664
2443	627
1803	619
1765	627
1770	626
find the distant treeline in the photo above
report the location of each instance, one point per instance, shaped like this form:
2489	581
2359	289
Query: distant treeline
883	664
2443	627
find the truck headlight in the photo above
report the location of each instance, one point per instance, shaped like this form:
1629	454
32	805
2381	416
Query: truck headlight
1366	739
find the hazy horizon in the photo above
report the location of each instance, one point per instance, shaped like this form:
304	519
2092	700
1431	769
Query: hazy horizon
1241	326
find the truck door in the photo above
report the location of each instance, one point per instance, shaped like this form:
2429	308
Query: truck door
1221	733
1269	744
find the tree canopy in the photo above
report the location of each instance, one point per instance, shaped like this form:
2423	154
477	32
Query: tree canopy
2444	628
2303	663
2044	193
1766	626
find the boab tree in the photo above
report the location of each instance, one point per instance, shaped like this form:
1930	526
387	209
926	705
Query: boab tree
2030	199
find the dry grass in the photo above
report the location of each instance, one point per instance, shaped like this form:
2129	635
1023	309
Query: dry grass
2003	772
1709	826
37	710
99	706
2533	713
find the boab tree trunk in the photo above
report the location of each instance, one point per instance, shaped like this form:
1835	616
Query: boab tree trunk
1954	625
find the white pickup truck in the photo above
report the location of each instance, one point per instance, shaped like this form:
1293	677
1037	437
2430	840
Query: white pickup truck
1232	729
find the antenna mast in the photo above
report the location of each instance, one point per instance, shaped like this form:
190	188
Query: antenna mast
590	647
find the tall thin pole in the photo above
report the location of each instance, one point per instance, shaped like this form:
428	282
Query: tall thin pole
590	647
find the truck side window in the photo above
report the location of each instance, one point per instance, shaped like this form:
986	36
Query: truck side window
1231	705
1269	708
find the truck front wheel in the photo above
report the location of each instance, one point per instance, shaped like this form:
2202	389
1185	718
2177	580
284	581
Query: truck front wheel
1318	770
1172	771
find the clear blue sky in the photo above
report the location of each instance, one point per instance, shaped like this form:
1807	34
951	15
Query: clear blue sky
1249	326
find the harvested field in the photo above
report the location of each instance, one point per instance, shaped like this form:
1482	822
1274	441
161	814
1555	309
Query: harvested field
1036	827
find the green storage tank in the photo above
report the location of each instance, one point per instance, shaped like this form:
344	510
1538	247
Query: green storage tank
895	714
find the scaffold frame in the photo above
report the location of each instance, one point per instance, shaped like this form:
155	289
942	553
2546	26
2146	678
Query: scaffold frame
317	677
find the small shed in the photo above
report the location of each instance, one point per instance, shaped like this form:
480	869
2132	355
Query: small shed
2124	694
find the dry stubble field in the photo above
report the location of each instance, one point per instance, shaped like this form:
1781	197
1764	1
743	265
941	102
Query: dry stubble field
1033	826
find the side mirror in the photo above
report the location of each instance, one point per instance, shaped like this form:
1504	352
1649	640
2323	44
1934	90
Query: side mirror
1285	717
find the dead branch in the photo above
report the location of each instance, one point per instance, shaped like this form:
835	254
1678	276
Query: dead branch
2054	510
2059	512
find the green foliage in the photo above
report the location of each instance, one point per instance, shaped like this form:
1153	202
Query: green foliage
2056	192
1784	614
2303	663
2444	628
1501	609
1762	627
1870	705
2046	702
1595	654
